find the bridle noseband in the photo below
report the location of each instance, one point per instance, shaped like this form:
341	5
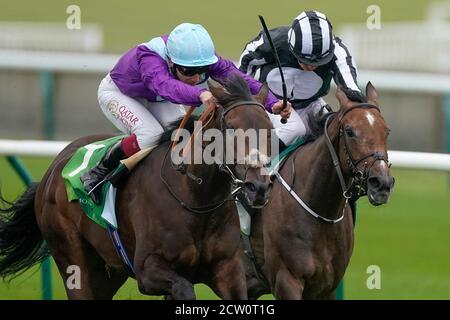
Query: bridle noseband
237	183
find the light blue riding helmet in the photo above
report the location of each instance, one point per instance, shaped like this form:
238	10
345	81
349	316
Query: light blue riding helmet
190	45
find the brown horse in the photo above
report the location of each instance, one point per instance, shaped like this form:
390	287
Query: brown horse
302	251
176	234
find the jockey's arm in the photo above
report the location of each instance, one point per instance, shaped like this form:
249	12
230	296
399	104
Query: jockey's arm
344	70
256	54
224	68
157	78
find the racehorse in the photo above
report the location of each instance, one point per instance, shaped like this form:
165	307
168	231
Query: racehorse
301	251
176	230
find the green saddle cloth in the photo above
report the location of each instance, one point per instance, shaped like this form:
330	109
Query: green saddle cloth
291	148
84	159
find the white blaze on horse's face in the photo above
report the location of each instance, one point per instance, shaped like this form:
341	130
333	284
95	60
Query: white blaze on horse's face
383	165
370	118
256	159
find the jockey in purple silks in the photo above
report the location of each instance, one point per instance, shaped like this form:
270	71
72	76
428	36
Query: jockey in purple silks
149	85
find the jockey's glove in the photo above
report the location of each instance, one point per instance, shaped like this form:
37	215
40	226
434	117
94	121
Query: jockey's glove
354	95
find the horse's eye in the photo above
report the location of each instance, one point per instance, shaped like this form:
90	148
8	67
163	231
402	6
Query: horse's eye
349	132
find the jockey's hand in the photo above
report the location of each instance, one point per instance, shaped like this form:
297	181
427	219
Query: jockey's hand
285	113
207	98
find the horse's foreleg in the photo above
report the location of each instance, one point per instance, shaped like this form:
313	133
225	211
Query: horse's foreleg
228	279
155	276
286	286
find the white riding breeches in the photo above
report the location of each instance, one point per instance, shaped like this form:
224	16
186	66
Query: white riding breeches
147	120
297	126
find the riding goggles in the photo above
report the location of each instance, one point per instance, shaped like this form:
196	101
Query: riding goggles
191	71
312	59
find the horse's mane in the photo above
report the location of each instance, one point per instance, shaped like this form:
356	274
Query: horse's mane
237	90
317	122
167	135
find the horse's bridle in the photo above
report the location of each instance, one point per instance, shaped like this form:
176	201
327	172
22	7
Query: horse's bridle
235	182
358	183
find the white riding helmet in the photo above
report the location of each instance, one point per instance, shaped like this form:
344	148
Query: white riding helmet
190	45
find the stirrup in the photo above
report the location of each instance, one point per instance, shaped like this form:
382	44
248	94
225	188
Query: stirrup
96	186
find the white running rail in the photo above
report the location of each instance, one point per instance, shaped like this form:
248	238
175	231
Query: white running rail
399	159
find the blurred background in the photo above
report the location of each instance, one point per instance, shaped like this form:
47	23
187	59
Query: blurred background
49	75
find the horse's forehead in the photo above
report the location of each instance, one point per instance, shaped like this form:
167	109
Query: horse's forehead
249	115
369	118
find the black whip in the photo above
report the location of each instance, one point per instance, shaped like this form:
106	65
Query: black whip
275	53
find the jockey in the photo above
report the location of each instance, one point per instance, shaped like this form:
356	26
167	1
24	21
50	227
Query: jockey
310	56
147	88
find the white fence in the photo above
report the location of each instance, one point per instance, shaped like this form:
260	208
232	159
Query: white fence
103	63
50	36
399	159
420	46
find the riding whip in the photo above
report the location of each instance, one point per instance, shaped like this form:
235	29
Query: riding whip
277	59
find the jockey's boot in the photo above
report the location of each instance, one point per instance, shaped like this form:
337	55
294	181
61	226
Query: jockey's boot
93	178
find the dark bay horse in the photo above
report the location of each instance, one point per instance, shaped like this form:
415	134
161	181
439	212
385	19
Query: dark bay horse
171	246
302	252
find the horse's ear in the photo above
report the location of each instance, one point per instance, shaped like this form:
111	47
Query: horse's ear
342	97
216	89
371	93
262	94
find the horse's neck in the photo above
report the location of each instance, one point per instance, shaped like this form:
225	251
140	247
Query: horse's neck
318	182
215	184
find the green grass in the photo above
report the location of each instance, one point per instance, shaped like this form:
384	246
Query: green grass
407	238
231	23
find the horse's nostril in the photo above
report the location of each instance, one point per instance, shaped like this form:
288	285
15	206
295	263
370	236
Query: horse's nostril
381	183
250	187
258	188
374	182
392	182
269	188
